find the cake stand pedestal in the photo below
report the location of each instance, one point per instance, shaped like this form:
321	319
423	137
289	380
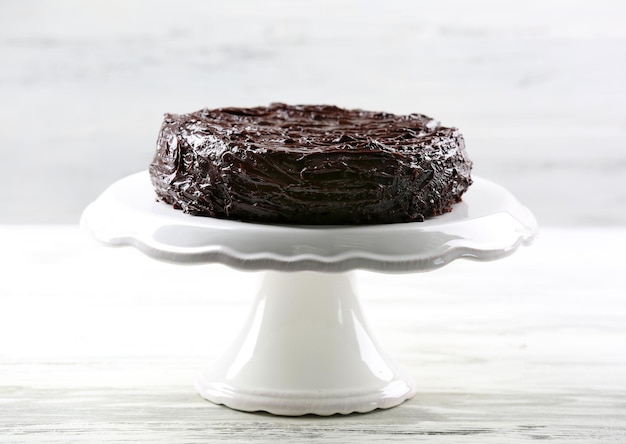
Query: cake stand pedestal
306	348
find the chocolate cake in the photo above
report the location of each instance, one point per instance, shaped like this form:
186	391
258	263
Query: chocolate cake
309	164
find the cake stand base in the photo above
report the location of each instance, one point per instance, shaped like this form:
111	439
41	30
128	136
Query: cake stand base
305	349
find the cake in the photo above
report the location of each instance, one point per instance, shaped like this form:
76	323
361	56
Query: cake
309	164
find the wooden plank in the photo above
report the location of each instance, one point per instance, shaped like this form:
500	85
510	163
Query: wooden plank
176	414
537	90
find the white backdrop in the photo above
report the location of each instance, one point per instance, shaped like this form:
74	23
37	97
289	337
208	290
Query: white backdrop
537	88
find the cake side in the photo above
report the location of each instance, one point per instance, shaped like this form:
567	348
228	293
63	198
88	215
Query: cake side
309	164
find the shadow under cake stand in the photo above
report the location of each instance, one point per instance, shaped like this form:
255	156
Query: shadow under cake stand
306	348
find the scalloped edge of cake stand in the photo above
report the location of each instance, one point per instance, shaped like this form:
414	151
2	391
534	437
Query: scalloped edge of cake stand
489	224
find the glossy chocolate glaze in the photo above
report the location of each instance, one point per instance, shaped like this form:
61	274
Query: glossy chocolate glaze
310	164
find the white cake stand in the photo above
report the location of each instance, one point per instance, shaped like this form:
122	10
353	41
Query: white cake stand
305	348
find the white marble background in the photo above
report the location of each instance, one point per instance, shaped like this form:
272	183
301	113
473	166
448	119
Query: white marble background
537	87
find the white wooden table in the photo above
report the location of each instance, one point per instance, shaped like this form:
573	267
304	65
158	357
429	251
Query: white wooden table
101	345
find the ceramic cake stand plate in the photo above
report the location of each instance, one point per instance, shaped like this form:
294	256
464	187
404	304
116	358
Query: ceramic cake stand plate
306	348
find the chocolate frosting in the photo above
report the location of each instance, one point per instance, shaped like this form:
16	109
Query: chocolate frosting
309	164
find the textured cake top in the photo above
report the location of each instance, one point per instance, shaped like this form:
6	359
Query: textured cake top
315	164
309	128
